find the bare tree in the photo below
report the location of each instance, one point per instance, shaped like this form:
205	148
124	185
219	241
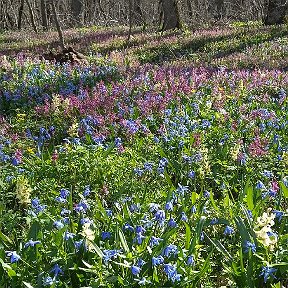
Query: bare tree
43	9
169	15
57	22
276	11
20	14
77	7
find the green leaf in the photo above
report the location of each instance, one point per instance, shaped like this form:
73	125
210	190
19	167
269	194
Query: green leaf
284	190
27	284
187	236
5	238
123	241
97	249
249	194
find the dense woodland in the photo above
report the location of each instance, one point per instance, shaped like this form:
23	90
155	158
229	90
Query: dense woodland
165	14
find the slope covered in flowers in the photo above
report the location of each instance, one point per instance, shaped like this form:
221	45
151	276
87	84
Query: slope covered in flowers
161	163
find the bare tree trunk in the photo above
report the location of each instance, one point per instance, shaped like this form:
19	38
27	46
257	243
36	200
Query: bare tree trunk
276	11
32	17
137	14
59	30
130	19
190	10
76	7
170	15
43	8
20	14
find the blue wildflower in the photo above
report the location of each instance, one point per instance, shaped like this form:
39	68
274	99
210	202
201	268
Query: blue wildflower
267	272
228	230
135	270
14	257
58	224
31	243
49	281
87	191
170	250
154	241
68	235
184	217
157	260
190	260
56	270
105	235
128	227
278	214
160	216
172	223
171	272
249	245
110	254
191	174
140	262
169	206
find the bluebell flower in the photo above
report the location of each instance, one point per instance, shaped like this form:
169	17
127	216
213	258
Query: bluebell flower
128	227
31	243
81	207
184	217
148	166
191	174
228	230
49	281
278	214
87	191
143	281
58	224
78	244
214	221
105	235
171	272
140	262
267	174
169	206
64	193
60	199
110	254
135	270
160	216
134	207
68	235
206	194
170	250
154	241
190	260
249	245
138	171
65	212
193	209
181	190
140	229
267	272
202	236
153	207
35	203
109	212
56	270
157	260
14	257
172	223
118	142
260	185
139	238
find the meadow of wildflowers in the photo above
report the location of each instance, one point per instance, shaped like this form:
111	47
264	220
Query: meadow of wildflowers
161	163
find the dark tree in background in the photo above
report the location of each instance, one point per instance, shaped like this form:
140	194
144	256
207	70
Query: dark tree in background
169	15
76	8
276	11
43	9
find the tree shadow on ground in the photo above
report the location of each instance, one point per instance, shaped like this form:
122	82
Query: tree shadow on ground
210	48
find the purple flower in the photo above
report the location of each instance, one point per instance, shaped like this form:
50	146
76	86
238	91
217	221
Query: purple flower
171	272
190	260
160	216
87	191
58	224
249	245
68	235
64	193
81	207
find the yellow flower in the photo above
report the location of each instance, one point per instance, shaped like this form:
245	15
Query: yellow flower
23	191
30	150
